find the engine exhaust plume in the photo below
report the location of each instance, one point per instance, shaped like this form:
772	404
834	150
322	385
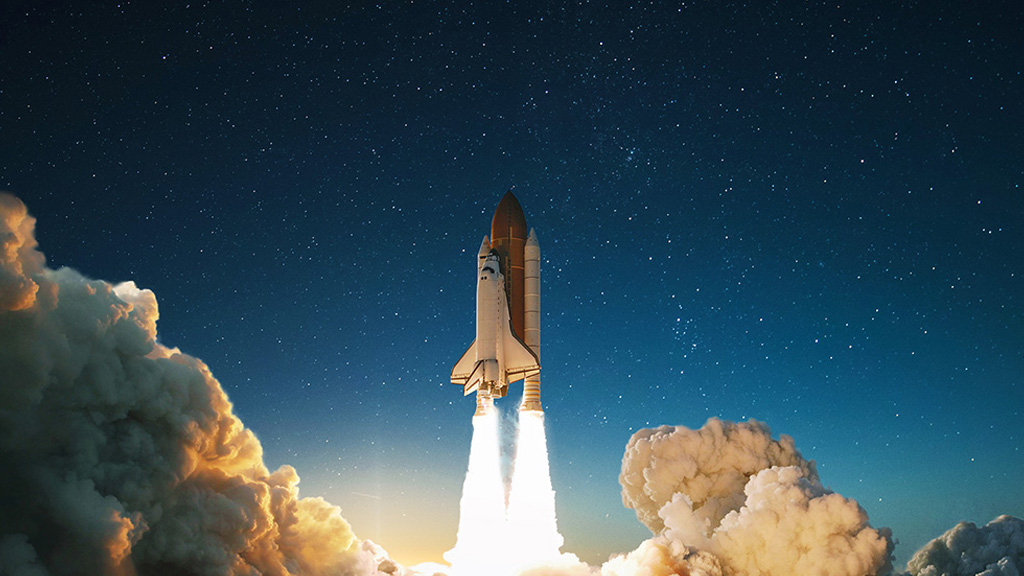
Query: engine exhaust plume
532	526
494	540
481	540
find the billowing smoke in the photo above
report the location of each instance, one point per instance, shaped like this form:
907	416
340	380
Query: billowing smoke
709	466
729	500
657	556
122	456
996	549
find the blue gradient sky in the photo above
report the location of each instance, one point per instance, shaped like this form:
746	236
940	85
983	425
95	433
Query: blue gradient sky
804	213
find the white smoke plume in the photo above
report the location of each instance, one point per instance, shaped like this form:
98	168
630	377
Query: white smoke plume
996	549
121	456
710	466
657	556
728	500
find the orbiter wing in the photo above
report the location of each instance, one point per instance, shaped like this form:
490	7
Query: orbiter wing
517	361
466	368
520	361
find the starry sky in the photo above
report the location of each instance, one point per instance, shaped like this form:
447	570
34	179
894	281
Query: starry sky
806	213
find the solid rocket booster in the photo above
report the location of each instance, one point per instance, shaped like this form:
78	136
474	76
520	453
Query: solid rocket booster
508	318
531	317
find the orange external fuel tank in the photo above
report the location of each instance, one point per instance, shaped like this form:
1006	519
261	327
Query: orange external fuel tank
508	238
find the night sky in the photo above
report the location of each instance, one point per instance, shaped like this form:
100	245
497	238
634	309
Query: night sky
803	213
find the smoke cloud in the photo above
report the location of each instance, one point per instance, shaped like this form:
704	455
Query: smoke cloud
729	500
996	549
122	456
710	466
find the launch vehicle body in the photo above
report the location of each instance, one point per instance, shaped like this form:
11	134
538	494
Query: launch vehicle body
497	356
507	345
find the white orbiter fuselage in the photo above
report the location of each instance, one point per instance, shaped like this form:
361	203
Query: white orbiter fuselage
497	356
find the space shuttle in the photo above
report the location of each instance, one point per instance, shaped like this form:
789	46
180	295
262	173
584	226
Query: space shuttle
507	345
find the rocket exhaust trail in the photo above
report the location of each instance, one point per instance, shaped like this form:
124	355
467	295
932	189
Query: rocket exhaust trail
492	541
481	534
532	525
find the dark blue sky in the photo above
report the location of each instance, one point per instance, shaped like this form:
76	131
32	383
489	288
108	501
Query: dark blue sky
805	213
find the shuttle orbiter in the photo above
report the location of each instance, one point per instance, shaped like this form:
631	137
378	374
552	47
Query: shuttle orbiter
497	356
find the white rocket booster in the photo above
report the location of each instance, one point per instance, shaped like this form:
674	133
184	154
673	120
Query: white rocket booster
531	323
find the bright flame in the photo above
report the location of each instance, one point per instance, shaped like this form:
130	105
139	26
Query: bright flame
532	526
481	540
489	541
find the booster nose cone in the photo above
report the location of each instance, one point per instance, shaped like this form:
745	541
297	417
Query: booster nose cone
485	248
532	248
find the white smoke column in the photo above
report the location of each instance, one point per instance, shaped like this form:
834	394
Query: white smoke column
533	528
788	525
660	556
481	543
996	549
728	499
710	466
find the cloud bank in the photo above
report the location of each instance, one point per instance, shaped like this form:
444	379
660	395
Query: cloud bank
121	456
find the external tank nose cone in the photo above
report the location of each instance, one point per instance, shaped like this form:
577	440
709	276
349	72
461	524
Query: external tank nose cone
508	221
